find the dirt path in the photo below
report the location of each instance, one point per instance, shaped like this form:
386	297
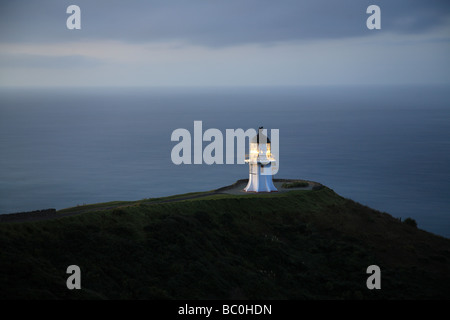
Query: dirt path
50	214
235	188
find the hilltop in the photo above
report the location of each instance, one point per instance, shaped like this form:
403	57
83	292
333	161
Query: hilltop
304	243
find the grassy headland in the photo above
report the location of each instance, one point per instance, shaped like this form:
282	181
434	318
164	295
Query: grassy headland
302	244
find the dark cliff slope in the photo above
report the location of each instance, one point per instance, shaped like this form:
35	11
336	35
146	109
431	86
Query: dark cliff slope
296	245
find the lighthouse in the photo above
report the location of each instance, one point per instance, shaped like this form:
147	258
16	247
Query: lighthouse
261	164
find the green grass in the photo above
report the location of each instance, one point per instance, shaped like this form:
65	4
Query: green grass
95	206
303	244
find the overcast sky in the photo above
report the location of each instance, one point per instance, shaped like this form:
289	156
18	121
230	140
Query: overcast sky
224	42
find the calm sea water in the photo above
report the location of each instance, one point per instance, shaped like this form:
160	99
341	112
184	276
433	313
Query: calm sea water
388	148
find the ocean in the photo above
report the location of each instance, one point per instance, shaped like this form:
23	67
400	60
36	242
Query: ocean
385	147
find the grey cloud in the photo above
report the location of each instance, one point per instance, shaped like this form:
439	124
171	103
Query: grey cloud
213	23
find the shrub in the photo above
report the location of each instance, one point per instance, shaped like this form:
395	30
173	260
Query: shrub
410	222
295	184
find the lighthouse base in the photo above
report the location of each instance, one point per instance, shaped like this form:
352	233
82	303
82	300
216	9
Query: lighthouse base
258	182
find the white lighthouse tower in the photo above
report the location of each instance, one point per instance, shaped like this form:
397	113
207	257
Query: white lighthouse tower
261	163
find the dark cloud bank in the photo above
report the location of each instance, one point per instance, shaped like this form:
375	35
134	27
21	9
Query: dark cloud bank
213	23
